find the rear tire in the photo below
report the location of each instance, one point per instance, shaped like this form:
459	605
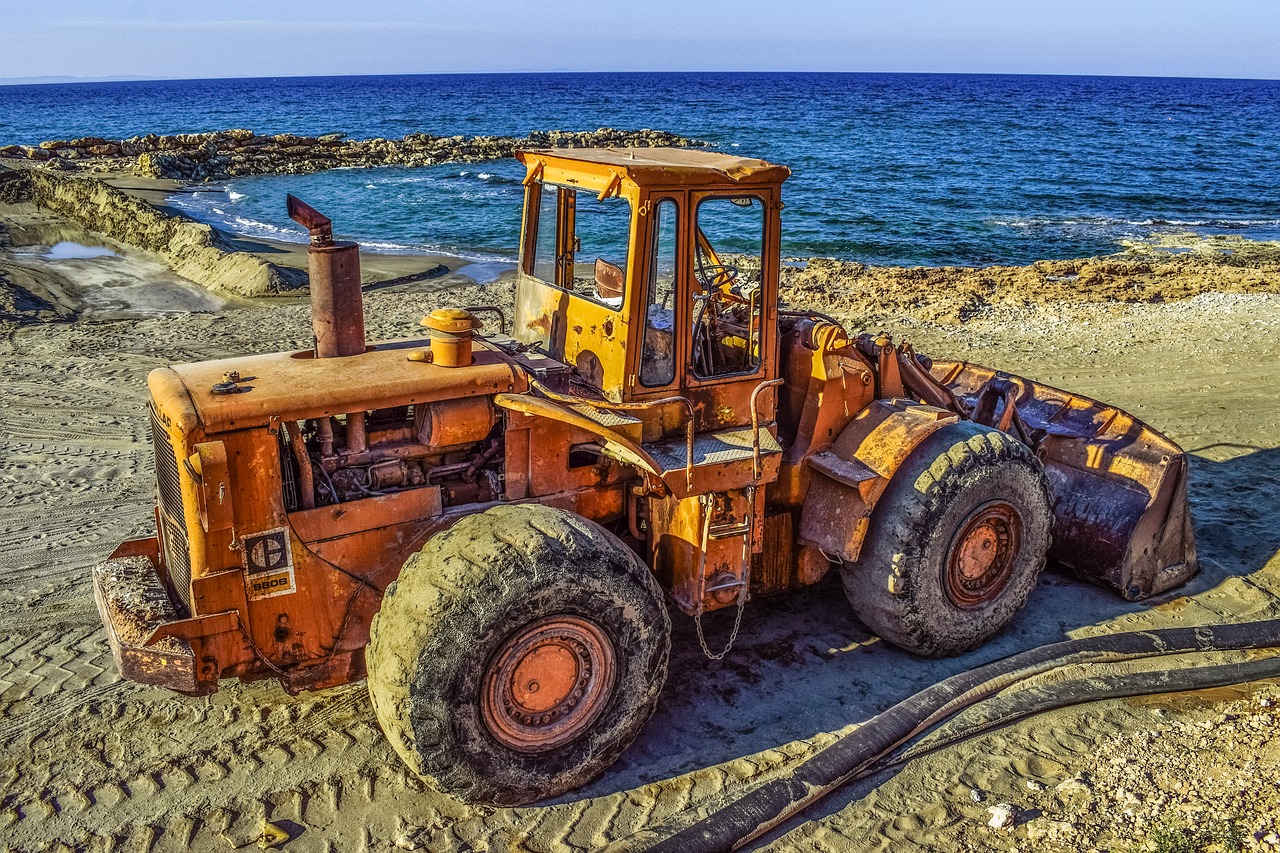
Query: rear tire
956	544
518	655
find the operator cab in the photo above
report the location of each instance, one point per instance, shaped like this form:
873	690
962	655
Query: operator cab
653	272
653	275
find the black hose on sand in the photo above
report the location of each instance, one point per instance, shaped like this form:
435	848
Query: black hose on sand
736	820
1026	702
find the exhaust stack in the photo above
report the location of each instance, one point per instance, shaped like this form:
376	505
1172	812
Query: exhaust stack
337	305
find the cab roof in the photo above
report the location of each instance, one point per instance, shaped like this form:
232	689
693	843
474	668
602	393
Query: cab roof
647	167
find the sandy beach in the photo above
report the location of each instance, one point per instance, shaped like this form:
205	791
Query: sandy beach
1190	344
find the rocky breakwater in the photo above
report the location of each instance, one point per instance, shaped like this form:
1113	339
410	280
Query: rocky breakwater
234	153
193	250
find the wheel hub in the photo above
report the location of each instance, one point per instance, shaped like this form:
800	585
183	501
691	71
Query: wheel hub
548	683
982	554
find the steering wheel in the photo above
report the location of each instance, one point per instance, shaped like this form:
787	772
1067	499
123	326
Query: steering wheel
712	276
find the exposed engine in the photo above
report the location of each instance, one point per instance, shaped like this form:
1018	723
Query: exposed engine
453	444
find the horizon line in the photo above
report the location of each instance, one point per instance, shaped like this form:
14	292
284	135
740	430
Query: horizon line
53	80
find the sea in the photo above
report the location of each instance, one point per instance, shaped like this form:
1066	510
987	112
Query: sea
887	169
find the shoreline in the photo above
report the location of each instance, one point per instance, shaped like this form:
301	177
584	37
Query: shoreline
1171	268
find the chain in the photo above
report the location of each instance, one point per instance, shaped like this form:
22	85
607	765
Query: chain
733	635
708	508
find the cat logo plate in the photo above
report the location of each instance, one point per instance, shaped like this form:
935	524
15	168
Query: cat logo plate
268	562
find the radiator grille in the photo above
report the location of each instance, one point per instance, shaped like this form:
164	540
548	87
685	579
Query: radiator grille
173	535
178	558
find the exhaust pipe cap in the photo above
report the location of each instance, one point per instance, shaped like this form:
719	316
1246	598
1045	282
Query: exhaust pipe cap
452	321
451	330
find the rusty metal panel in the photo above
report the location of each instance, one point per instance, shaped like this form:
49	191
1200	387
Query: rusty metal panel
135	610
296	386
516	465
576	331
853	475
338	520
208	468
595	168
774	569
703	578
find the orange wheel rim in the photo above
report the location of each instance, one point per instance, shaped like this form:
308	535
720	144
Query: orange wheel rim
548	683
982	555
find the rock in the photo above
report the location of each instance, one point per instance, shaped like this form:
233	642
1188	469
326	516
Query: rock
976	795
1047	829
1003	816
195	156
1074	788
270	835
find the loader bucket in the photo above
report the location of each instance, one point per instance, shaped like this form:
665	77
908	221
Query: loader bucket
1118	487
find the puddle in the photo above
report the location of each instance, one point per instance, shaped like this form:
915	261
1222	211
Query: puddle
485	273
67	250
111	286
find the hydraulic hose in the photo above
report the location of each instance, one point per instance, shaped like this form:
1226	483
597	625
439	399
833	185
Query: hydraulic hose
1028	701
733	821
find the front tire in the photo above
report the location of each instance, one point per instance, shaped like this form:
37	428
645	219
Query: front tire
956	544
518	655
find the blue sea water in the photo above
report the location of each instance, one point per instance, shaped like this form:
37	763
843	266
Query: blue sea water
887	168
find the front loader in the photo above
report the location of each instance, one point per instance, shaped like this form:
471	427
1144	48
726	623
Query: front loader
492	521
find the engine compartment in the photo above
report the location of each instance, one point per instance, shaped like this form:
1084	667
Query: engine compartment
453	444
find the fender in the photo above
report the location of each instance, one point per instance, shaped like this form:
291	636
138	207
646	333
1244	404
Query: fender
612	444
852	474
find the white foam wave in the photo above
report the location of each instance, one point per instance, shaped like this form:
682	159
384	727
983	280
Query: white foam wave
1114	222
202	207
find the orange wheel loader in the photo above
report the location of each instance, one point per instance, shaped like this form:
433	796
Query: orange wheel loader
492	522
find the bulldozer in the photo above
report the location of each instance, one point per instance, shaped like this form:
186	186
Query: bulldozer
494	521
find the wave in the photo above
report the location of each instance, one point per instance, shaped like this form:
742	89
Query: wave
206	211
1116	222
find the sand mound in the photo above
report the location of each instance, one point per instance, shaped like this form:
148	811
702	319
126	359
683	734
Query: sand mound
193	250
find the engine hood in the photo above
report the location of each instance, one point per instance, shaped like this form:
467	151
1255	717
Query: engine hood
296	385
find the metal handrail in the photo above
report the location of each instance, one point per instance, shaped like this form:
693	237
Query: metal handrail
491	309
634	407
755	424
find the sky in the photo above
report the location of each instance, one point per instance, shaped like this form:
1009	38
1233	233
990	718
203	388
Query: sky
237	38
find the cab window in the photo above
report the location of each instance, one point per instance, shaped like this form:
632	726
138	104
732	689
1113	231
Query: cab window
726	294
657	360
581	243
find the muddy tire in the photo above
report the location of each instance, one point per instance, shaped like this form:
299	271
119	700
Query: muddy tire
518	655
956	543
